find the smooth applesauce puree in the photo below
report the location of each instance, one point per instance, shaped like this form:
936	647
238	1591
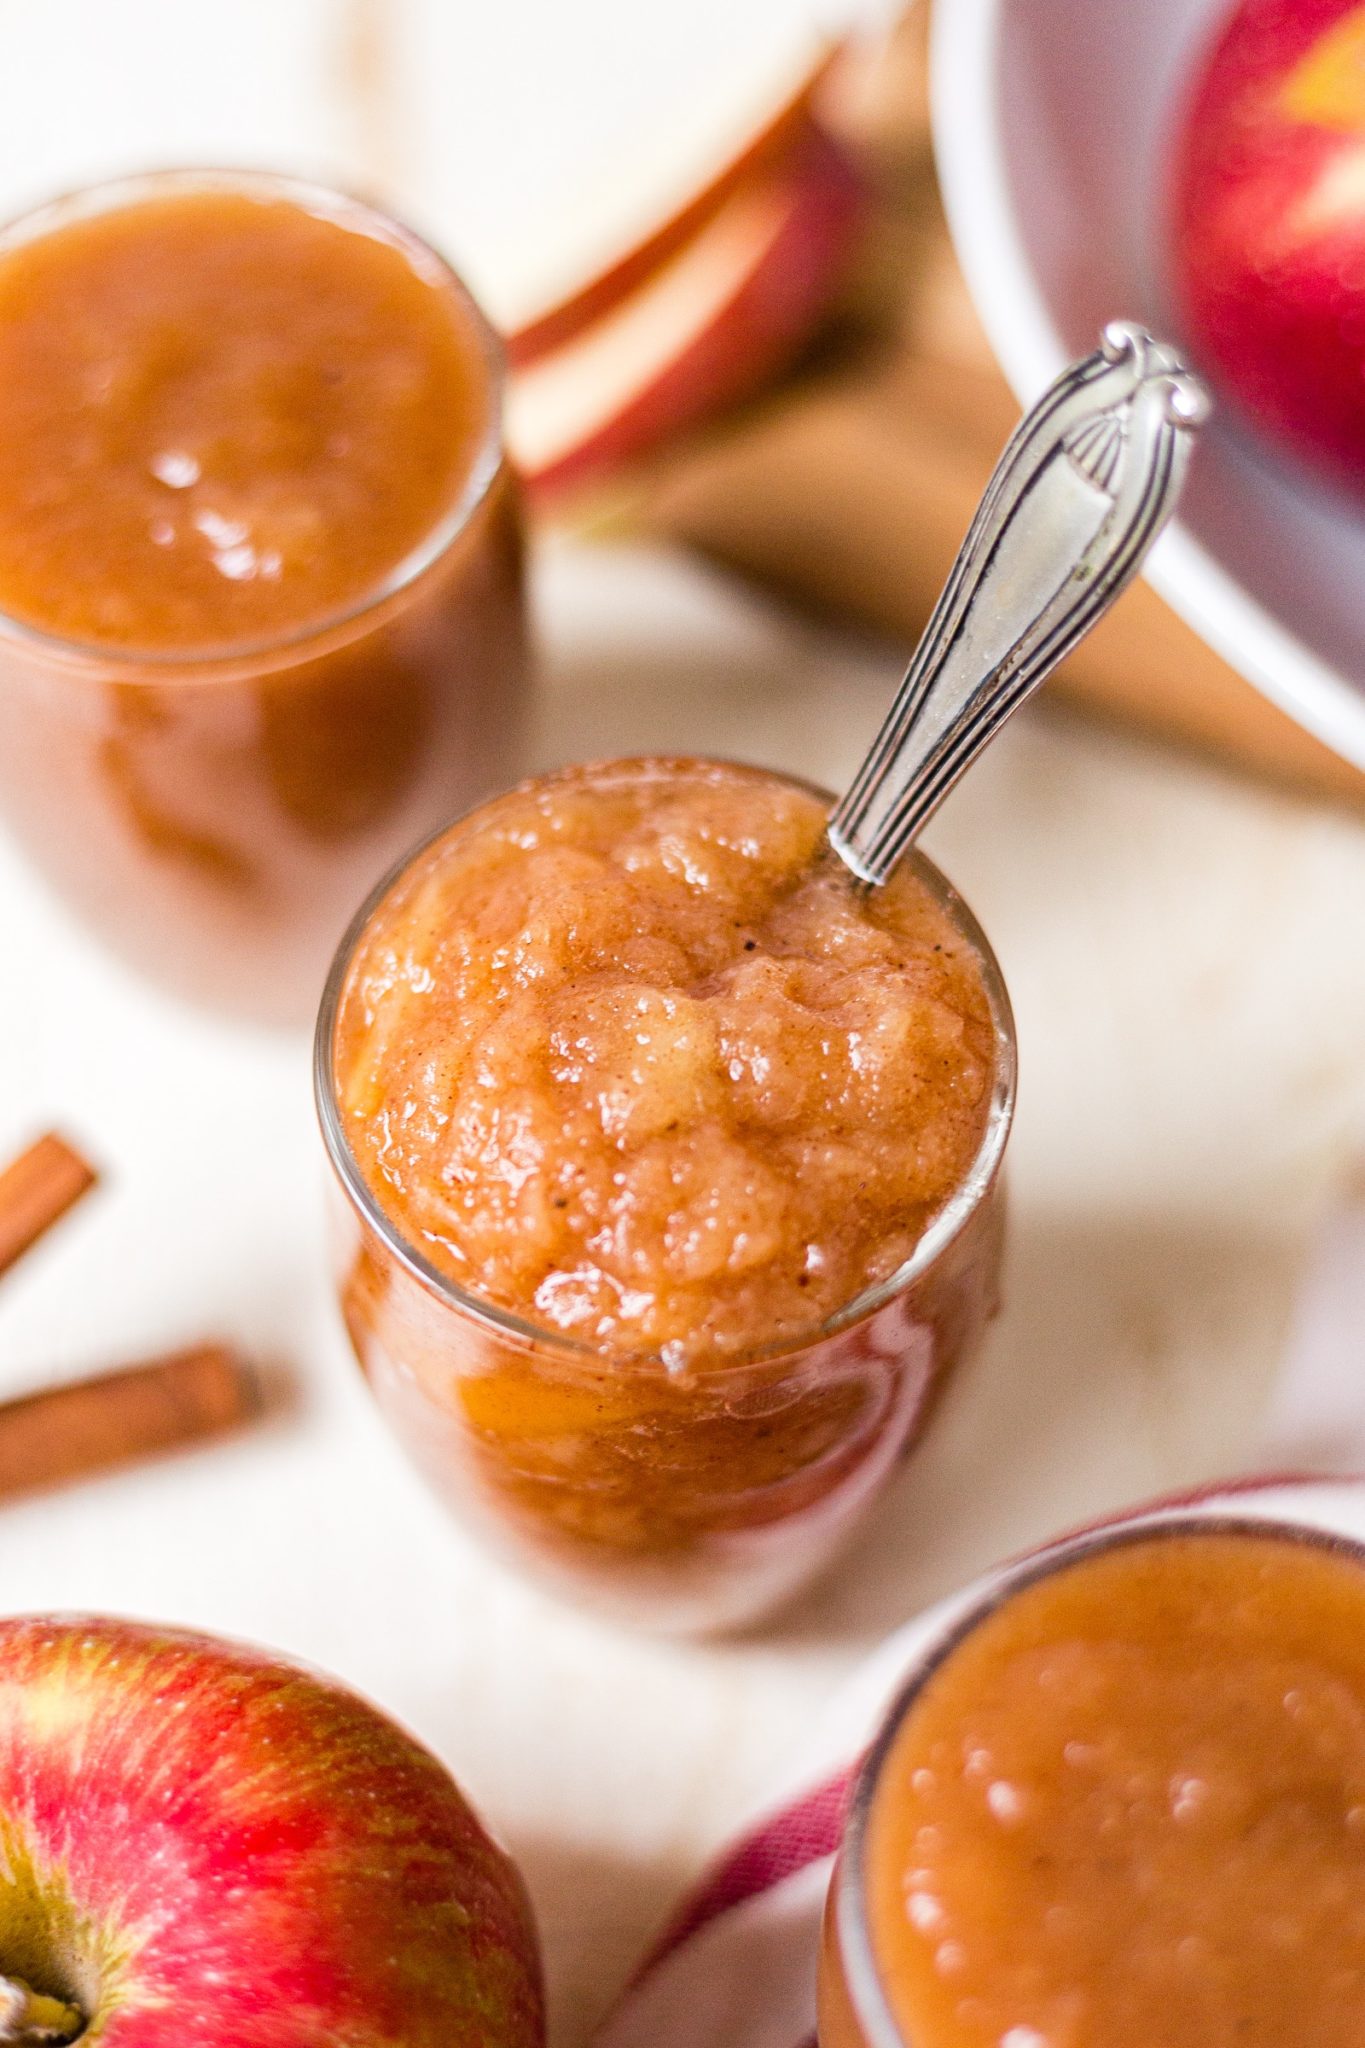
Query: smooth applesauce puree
625	1054
1128	1811
221	416
261	609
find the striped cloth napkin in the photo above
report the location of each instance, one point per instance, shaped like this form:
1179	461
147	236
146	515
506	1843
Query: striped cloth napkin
735	1967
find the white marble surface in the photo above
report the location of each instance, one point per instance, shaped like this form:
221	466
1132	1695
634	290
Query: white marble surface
1186	964
1186	961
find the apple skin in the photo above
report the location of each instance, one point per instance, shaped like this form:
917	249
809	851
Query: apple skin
739	346
205	1844
1269	226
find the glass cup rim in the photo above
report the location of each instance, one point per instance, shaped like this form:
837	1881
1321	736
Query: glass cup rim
943	1228
326	202
848	1903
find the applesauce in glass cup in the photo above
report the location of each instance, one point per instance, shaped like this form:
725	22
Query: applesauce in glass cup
668	1175
261	609
1120	1802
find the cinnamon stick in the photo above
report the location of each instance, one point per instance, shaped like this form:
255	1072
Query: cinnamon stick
64	1433
37	1188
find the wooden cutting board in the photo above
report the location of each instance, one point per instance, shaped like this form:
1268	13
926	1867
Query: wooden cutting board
849	488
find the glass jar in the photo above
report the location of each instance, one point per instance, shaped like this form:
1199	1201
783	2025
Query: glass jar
214	815
689	1499
1114	1801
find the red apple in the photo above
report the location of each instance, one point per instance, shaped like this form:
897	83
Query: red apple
1270	225
199	1843
704	329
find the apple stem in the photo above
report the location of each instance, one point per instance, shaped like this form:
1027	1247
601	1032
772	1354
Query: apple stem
30	2019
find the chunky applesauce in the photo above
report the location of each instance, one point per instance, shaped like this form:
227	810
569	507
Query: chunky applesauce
1129	1808
627	1056
655	1093
260	601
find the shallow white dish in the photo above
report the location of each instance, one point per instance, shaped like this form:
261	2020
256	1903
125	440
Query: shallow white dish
1050	119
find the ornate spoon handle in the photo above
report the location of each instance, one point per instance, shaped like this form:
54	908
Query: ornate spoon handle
1085	486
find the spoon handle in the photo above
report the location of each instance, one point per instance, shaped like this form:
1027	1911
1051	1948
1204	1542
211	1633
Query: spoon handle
1085	486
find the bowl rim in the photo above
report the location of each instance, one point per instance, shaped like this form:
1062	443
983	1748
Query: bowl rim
978	198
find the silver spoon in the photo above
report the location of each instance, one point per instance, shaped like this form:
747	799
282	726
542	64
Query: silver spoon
1086	484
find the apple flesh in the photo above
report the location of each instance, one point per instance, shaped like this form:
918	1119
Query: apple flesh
1269	235
780	133
201	1843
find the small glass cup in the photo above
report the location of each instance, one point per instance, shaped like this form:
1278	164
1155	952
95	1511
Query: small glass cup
214	817
854	2009
687	1503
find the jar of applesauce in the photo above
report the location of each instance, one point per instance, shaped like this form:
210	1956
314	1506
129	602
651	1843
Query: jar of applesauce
261	614
1121	1802
669	1168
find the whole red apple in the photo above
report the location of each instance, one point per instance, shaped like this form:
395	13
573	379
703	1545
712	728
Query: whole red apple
1270	225
200	1844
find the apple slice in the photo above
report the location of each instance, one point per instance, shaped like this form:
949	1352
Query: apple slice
780	128
711	323
558	154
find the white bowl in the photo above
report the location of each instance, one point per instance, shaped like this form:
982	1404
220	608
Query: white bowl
1051	119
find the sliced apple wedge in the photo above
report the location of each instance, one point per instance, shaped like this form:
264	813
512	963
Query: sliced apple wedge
780	128
558	154
708	325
